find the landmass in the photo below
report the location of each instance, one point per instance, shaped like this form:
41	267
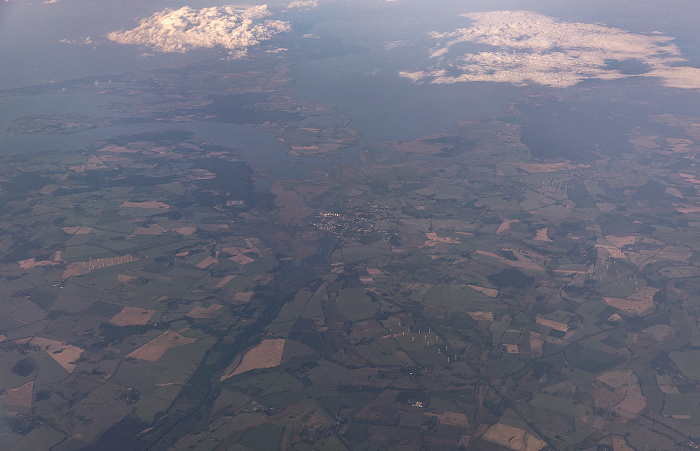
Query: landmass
454	291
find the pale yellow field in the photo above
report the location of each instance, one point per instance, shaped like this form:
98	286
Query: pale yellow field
644	143
542	235
154	349
569	272
95	163
620	444
20	396
523	262
512	349
505	225
513	438
612	251
553	324
454	419
637	303
79	230
619	241
224	281
666	384
619	390
548	167
149	204
80	268
691	209
659	332
186	230
490	292
267	354
434	240
62	353
536	344
482	316
208	261
243	297
238	255
201	312
32	263
132	316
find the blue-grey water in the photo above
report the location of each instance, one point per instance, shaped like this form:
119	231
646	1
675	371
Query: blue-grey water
255	147
386	37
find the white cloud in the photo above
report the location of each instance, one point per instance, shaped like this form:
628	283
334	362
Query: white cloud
83	41
533	48
678	77
394	45
303	4
229	27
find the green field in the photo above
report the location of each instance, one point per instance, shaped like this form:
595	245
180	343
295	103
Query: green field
458	298
559	404
265	437
682	404
355	304
688	362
